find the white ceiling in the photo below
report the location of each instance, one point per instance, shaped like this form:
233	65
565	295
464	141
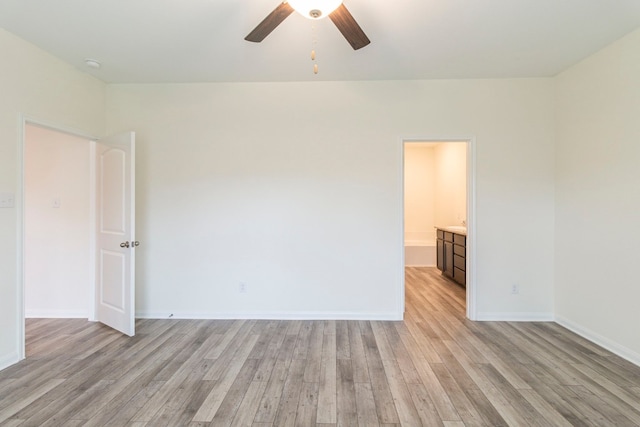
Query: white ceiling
143	41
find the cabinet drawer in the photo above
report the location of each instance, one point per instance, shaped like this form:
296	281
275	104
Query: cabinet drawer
459	250
459	262
459	239
440	234
460	276
448	236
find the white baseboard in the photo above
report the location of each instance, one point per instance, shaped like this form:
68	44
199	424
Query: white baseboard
8	360
55	314
516	317
602	341
269	315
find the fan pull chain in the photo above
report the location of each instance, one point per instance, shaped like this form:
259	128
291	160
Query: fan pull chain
314	42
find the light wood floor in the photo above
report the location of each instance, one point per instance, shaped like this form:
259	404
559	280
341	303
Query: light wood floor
434	368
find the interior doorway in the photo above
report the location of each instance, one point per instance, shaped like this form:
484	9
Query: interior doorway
58	273
65	268
439	191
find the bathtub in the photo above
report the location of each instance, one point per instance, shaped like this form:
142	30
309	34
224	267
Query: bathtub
420	250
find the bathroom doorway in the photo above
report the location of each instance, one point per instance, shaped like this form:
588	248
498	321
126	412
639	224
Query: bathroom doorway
438	192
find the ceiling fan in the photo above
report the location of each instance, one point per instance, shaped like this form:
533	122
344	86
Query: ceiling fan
335	9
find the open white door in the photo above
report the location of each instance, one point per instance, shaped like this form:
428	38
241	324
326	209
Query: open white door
115	234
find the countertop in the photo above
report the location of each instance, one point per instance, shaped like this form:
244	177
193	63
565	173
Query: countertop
457	229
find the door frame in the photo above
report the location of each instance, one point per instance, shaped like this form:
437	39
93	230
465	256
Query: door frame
471	289
23	121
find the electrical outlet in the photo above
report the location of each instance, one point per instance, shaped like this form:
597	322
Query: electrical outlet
515	288
242	287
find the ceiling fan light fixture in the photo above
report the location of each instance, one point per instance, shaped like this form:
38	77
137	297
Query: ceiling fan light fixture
314	9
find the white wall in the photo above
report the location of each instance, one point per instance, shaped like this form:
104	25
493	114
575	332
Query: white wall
298	195
56	243
36	84
451	183
435	187
598	197
419	192
295	189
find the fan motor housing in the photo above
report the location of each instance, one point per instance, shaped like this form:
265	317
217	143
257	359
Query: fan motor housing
336	11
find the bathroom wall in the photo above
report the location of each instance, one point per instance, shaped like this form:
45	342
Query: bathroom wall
435	187
451	183
419	191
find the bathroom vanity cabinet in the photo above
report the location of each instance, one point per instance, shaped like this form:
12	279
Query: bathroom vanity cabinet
451	250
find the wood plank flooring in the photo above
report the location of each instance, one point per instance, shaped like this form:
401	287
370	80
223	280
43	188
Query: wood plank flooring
435	369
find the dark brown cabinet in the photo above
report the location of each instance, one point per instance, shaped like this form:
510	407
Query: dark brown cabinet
451	250
448	258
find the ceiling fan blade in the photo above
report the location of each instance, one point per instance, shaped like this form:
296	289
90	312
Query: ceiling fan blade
270	23
349	28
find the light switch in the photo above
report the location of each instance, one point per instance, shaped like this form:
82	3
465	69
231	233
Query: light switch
6	200
55	202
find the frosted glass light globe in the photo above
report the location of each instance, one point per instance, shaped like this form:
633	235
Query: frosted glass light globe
315	9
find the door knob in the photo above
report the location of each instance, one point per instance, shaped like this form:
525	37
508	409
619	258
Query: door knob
136	243
124	244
